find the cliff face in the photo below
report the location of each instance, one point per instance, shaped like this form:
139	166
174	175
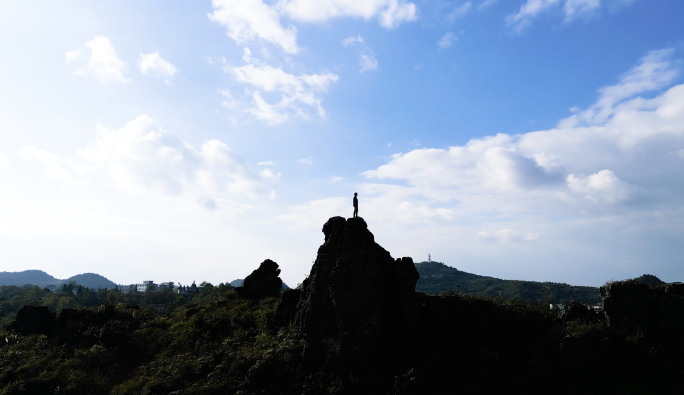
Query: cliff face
358	305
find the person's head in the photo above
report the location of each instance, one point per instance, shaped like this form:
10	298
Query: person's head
355	193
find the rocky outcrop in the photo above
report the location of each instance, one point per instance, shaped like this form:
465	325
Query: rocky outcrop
358	308
630	307
263	282
575	311
33	320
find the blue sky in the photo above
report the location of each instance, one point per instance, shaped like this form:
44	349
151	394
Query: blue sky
181	141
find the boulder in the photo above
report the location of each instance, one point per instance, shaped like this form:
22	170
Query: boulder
358	307
33	320
263	282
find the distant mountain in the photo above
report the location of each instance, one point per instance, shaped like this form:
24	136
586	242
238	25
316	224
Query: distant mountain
436	277
42	279
91	280
33	277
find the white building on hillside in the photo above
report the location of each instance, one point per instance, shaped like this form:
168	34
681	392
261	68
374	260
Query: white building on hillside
145	286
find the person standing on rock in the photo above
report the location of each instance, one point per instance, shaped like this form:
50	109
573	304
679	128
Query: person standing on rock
356	205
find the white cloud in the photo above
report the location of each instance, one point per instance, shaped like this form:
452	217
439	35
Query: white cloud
568	167
447	40
484	6
654	71
103	63
143	156
572	9
580	8
587	186
460	11
247	20
602	186
4	160
299	94
351	40
335	179
367	63
529	10
390	13
265	163
306	161
72	56
505	236
155	65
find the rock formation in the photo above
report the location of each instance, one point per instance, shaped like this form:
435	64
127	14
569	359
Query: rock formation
263	282
32	320
630	307
358	307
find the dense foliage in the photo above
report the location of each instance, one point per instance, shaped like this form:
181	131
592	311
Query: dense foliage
163	300
209	348
229	345
436	277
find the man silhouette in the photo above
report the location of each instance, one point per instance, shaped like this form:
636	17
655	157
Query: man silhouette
356	206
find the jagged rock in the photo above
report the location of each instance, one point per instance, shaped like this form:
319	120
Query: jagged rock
263	282
32	320
577	311
358	306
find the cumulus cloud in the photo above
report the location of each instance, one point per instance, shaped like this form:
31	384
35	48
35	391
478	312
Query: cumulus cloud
572	166
142	155
512	188
602	186
155	65
306	161
298	94
390	13
103	63
447	40
248	20
367	63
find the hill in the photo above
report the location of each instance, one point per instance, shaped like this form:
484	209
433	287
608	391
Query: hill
34	277
42	279
91	280
436	277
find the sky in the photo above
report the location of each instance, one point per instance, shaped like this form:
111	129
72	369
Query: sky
189	141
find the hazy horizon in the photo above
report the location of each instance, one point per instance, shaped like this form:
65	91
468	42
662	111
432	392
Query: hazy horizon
539	140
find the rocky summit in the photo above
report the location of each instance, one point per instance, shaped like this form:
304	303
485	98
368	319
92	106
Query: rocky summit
357	307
